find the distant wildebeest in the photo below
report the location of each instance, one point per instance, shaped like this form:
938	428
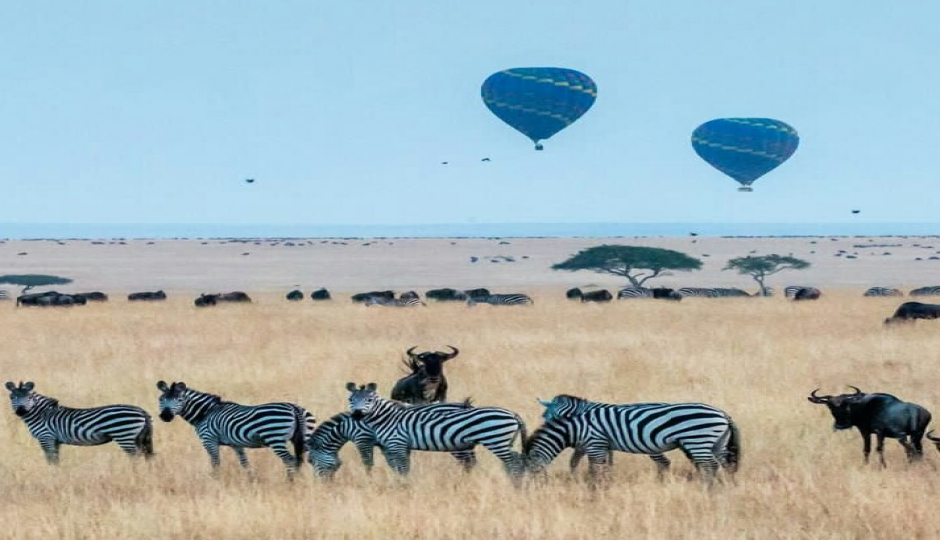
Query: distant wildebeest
234	296
32	299
320	294
362	297
477	293
665	293
206	300
926	291
50	298
446	295
95	296
662	293
574	294
426	383
146	296
600	295
908	311
295	295
807	293
882	415
882	291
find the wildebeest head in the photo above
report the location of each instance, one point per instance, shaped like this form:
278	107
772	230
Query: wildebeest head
362	399
840	406
172	399
22	397
432	361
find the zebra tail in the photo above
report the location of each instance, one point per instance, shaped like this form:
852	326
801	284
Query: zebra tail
523	434
145	438
733	452
303	428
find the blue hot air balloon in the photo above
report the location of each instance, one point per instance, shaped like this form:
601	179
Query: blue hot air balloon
539	102
745	148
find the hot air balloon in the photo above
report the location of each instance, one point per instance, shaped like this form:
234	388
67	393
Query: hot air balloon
539	102
745	148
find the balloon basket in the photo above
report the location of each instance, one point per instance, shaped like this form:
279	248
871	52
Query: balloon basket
746	189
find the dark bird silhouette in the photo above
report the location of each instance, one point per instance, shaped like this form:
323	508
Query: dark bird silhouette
485	159
856	211
444	163
249	180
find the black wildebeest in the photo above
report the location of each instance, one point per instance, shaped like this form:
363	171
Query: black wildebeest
213	299
882	415
665	293
50	298
320	294
574	294
426	383
95	296
908	311
446	295
807	293
206	300
600	295
382	295
477	293
147	296
295	295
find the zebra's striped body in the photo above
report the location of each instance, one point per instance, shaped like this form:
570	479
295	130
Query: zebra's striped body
713	292
223	423
704	433
791	290
926	291
628	293
882	291
330	437
515	299
399	429
4	294
53	425
394	302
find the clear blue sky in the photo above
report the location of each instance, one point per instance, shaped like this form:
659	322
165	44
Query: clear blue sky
342	111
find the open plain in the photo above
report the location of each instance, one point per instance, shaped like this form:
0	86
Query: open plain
757	358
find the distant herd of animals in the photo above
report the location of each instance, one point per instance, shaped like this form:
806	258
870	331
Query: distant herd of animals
906	312
417	416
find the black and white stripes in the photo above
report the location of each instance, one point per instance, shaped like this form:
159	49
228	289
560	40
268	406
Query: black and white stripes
53	425
515	299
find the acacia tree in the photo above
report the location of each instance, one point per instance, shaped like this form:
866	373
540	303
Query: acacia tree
28	281
763	266
637	264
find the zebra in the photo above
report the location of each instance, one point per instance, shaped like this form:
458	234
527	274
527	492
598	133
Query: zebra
791	290
399	429
4	294
882	291
53	425
408	299
926	291
514	299
324	444
713	292
634	292
705	434
225	423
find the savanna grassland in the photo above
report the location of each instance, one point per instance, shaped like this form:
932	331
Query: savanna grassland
755	358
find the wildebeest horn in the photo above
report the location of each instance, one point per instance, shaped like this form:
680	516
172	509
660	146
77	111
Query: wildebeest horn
857	391
817	399
411	351
934	439
452	354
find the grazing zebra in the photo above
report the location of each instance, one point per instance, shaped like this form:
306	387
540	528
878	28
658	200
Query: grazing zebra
53	425
515	299
223	423
926	291
628	293
399	429
791	290
882	291
713	292
408	299
704	433
324	444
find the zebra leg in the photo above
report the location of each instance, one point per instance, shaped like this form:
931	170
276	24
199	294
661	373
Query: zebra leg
704	460
367	455
512	461
398	457
280	448
50	447
242	457
598	465
662	465
212	448
466	458
129	446
575	460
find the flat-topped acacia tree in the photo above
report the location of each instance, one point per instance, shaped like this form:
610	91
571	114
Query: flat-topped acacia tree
28	281
763	266
635	263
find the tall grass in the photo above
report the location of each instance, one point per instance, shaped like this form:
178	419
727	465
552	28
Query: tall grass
755	358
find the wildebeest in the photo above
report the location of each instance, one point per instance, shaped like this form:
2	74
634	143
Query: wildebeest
95	296
908	311
600	295
574	294
665	293
205	300
882	415
50	298
426	383
477	293
234	296
407	299
362	297
146	296
446	295
295	295
807	293
320	294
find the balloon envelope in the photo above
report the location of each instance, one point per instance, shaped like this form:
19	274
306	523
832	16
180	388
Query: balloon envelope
745	148
539	102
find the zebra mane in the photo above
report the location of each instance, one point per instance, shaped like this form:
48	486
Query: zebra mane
215	398
46	399
569	397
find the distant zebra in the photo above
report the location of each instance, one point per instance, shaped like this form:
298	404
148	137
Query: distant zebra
324	444
791	290
515	299
53	425
223	423
628	293
707	435
4	294
399	429
882	291
713	292
926	291
408	299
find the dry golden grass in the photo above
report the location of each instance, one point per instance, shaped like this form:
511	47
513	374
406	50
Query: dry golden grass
755	358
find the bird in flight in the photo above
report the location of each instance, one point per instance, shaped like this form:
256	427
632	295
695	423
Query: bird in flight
485	159
856	211
444	162
249	180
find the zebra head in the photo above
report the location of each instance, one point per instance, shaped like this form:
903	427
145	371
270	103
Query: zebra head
561	406
362	399
22	397
172	399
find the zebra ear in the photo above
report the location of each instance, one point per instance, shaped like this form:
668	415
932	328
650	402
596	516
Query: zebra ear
371	387
10	386
351	386
161	386
544	403
29	386
180	385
